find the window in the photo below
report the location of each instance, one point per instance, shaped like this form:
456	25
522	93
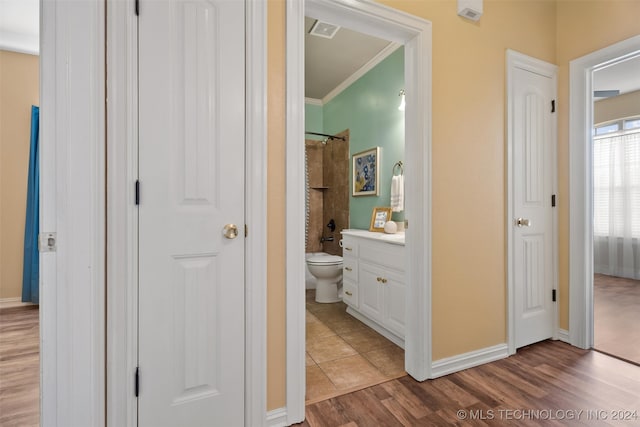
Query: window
616	179
606	129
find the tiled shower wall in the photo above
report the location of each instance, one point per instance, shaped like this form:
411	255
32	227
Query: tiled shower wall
328	167
316	195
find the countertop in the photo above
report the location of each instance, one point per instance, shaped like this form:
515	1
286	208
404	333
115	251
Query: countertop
395	239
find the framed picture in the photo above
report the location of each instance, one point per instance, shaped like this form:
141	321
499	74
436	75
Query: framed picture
378	217
366	173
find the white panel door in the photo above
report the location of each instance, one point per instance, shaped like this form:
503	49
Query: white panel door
191	172
533	220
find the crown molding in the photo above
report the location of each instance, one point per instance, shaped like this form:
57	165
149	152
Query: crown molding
381	56
19	42
313	101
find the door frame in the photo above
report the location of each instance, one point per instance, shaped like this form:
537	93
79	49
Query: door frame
72	204
415	34
581	184
122	161
517	60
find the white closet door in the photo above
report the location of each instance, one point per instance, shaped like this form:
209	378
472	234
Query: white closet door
191	172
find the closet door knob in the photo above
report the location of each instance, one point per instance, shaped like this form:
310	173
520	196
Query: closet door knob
230	231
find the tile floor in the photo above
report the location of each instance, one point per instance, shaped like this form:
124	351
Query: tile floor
343	354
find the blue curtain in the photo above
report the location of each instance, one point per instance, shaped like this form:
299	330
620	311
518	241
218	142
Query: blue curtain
31	266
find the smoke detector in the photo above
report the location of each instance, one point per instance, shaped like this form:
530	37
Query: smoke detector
324	29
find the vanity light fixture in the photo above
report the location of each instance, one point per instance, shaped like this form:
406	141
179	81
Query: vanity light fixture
402	103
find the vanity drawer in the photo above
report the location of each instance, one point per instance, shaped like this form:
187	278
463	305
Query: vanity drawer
383	254
350	293
350	269
349	247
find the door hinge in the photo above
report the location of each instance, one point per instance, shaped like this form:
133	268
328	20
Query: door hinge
137	7
246	230
553	105
137	381
137	192
553	295
553	200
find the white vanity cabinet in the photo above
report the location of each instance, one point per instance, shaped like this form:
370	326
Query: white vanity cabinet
373	281
350	271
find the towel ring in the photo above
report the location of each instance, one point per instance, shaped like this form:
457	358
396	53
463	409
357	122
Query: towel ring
398	165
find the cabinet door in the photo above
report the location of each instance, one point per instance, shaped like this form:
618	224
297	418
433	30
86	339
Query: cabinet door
394	303
371	292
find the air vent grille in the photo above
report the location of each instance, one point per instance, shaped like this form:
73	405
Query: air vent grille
324	29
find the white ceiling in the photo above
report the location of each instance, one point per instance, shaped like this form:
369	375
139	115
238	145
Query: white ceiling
20	25
329	62
624	76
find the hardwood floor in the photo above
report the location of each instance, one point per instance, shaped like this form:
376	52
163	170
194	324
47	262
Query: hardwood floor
617	317
548	383
19	367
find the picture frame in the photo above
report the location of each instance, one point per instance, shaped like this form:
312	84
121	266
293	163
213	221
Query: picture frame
379	216
366	173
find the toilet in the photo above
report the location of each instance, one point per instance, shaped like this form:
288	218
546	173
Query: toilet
327	269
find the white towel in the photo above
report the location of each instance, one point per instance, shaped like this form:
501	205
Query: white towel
397	193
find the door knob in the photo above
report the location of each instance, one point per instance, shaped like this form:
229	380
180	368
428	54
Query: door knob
230	231
523	222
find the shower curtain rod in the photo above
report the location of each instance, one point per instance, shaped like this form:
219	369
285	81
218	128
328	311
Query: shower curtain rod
324	134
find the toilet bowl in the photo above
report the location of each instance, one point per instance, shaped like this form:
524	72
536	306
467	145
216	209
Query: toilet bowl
327	269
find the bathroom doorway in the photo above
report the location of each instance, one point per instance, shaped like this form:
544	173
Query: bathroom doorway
344	69
415	34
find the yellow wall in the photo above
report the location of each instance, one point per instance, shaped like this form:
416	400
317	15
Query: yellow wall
469	169
19	88
276	309
469	166
617	107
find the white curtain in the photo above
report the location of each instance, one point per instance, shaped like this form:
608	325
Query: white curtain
616	183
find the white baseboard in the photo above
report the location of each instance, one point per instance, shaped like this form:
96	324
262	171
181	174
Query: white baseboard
13	302
452	364
277	418
563	335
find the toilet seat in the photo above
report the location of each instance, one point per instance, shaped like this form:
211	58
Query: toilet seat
325	260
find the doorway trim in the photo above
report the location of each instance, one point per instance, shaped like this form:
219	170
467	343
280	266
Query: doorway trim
581	184
517	60
415	34
122	303
72	204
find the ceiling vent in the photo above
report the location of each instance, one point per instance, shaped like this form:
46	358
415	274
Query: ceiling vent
324	29
470	9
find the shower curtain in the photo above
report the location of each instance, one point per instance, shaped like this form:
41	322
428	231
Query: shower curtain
31	267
